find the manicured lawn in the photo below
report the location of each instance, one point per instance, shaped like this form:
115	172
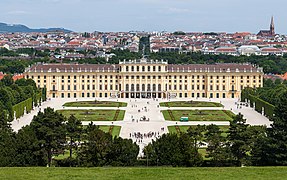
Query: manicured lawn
158	173
198	115
94	115
190	104
95	104
115	132
172	129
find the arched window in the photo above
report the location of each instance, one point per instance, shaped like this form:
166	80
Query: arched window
132	87
127	87
127	68
148	87
159	87
143	87
138	87
133	68
159	68
143	68
154	87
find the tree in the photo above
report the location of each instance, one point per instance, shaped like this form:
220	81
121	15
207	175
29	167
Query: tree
217	149
238	138
197	135
7	80
123	152
259	146
74	130
93	152
28	149
50	131
7	147
164	151
277	135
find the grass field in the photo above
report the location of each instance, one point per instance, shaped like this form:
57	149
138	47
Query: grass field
95	104
115	131
198	115
94	115
158	173
172	129
190	104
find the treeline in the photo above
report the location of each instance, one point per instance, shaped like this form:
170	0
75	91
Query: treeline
271	92
50	134
244	145
270	64
12	94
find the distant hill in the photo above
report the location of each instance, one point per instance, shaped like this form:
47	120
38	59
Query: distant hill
12	28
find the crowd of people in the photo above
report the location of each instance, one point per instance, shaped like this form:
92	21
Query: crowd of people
138	136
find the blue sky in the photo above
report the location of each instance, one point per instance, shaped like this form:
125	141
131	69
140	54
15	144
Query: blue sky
147	15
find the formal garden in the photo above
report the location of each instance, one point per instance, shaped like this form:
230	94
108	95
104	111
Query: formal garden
190	103
95	104
184	128
95	115
198	115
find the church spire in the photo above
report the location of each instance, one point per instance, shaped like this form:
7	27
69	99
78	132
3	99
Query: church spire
272	27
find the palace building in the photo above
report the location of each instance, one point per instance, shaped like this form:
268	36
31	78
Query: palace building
145	78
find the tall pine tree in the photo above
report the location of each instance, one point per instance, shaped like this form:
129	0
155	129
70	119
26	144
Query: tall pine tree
277	135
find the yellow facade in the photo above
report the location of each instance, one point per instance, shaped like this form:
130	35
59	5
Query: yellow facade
145	79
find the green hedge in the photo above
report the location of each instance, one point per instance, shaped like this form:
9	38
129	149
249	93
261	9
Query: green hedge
259	103
19	108
44	94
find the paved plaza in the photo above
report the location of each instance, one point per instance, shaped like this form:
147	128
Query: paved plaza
143	132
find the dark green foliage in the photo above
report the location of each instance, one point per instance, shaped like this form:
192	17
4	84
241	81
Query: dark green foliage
239	139
123	152
7	147
94	150
277	135
28	149
173	150
50	131
74	130
217	147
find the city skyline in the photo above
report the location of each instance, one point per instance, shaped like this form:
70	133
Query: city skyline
146	15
